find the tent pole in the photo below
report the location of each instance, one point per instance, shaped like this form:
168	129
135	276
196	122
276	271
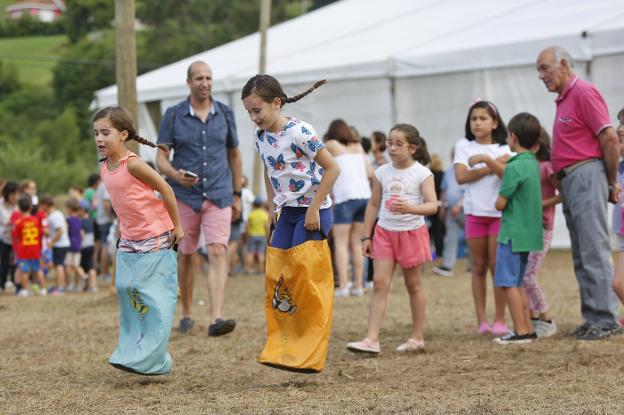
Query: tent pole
393	104
265	21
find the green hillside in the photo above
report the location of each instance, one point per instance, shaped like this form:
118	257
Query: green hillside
33	56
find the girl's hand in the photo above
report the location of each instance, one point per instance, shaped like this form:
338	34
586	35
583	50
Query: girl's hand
312	219
401	206
178	234
366	248
477	158
504	158
455	211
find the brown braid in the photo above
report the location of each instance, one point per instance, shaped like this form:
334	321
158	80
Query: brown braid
296	98
147	142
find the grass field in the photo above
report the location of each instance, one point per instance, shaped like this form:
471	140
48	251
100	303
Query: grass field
54	354
34	56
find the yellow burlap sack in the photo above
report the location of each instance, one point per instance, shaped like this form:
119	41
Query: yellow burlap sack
298	303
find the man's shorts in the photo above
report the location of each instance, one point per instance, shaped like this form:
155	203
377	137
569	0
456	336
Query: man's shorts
28	265
510	266
214	222
86	258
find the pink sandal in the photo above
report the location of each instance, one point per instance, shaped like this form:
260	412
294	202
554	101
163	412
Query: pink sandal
364	346
411	345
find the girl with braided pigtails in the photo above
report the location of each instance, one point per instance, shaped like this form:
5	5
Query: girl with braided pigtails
299	171
146	273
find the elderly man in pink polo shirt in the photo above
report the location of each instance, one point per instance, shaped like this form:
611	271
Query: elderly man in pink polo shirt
585	153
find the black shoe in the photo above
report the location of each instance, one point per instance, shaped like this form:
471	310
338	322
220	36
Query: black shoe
221	327
513	338
594	333
580	330
186	324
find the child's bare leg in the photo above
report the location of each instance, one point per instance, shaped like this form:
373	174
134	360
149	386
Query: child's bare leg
499	295
261	262
516	309
92	275
24	279
618	277
479	254
384	270
40	279
59	276
417	301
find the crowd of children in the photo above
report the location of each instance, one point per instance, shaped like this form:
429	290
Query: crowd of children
500	191
40	242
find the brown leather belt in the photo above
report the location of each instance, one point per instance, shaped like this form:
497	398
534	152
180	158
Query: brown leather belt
567	170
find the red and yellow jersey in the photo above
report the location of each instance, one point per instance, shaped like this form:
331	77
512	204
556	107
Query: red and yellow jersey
27	234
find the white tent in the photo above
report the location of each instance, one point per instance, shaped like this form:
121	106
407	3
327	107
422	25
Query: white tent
415	61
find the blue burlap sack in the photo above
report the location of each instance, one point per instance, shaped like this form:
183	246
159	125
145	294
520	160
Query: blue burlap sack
147	287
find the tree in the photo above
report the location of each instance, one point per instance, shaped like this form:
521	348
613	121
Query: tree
8	78
84	16
184	28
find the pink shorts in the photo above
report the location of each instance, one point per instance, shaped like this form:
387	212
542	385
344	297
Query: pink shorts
408	248
215	224
481	226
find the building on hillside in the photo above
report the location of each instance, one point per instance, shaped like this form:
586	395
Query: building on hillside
42	10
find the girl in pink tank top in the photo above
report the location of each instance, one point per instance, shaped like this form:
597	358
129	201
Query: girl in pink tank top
146	271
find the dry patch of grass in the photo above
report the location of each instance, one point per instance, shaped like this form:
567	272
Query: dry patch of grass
53	360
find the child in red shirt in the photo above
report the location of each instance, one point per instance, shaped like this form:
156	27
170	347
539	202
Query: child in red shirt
27	234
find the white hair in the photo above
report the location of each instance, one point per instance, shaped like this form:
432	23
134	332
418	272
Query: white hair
562	54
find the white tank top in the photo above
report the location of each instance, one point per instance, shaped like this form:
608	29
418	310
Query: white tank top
352	183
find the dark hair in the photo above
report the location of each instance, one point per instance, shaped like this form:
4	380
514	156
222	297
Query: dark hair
24	203
499	135
93	179
413	137
527	128
543	152
122	120
339	130
268	88
72	204
366	144
620	115
46	199
9	188
379	139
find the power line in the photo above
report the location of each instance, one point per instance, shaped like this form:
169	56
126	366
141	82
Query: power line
89	62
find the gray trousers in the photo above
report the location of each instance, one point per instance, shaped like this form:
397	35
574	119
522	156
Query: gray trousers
585	196
451	239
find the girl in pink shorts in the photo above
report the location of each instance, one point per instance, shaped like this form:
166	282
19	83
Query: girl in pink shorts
402	193
479	162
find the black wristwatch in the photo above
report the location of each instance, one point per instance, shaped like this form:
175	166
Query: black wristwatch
239	193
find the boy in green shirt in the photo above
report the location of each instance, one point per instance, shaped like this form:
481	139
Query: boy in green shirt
520	199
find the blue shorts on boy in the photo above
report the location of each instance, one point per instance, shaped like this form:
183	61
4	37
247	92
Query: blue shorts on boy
28	265
510	266
256	244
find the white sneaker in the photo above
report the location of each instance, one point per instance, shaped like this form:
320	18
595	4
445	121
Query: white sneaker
443	271
368	285
22	293
341	292
43	292
356	292
544	329
8	284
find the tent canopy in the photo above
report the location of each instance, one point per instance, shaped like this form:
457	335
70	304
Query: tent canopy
355	39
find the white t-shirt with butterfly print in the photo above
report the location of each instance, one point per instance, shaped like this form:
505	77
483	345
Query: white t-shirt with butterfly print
289	159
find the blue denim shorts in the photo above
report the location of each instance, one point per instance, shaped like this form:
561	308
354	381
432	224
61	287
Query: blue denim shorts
510	266
346	213
28	265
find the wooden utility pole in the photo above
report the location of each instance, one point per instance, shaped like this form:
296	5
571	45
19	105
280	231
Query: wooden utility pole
126	62
265	22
